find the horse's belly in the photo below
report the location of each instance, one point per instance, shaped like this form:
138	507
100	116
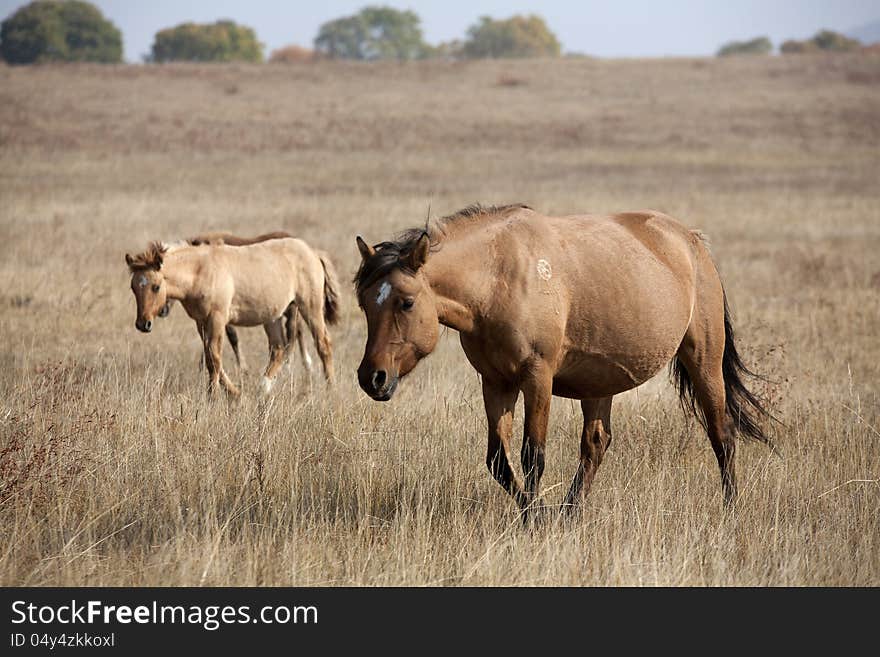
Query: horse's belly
585	375
613	348
245	314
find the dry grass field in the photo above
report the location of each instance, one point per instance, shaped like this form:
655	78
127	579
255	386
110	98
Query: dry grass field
117	469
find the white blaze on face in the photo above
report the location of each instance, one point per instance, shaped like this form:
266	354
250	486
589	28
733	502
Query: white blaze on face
545	271
142	281
384	292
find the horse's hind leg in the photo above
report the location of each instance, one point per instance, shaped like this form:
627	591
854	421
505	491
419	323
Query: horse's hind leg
314	316
277	352
595	438
295	333
701	353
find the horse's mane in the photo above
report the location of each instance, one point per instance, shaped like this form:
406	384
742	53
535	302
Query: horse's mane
149	259
234	240
392	254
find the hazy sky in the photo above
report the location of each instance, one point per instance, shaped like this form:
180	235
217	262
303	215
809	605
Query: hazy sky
617	28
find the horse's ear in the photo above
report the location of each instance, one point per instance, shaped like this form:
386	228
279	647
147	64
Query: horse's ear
129	260
419	255
366	250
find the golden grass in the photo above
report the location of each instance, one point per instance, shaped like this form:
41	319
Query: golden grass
115	469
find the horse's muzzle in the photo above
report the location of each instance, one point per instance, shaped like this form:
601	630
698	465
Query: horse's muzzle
378	384
144	326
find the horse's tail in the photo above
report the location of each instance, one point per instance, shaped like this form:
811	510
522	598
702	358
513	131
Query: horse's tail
745	409
743	406
331	289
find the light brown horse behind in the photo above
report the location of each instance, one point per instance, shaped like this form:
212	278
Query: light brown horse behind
242	286
294	324
583	307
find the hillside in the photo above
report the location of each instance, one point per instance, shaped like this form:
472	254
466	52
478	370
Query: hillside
118	470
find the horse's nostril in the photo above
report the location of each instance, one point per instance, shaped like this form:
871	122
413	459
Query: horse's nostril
148	325
379	378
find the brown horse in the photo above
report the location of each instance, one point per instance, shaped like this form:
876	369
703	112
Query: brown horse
294	327
583	307
243	286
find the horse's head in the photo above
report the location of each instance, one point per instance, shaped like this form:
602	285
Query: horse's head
148	286
401	310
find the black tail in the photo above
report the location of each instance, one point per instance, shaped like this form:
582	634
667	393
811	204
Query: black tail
744	407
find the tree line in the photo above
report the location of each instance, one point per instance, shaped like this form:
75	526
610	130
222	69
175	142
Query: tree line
75	30
823	41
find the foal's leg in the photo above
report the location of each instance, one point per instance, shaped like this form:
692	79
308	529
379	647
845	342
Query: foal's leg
595	438
277	352
203	356
295	333
314	316
205	361
232	336
214	355
500	403
537	392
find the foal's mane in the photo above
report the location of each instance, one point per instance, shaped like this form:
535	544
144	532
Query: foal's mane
392	254
149	259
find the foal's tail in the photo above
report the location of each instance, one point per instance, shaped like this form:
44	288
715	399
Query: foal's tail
745	409
331	289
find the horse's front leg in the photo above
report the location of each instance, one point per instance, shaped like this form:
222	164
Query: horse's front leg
537	390
500	402
214	331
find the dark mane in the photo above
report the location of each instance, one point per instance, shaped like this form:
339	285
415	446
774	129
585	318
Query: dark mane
476	210
149	259
390	255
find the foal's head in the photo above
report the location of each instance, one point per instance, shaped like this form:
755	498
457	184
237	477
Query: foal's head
401	310
148	285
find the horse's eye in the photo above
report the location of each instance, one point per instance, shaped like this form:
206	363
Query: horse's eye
155	287
407	304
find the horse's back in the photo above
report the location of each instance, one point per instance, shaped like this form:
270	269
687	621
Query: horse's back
265	277
633	251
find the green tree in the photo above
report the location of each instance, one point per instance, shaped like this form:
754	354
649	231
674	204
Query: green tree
223	41
835	41
517	36
824	40
373	33
794	47
53	30
756	46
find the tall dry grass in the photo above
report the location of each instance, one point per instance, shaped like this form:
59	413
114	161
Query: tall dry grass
116	469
